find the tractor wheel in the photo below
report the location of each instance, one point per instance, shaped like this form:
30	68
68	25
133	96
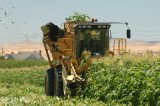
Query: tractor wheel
49	82
58	82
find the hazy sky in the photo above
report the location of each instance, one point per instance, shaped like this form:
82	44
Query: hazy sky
28	16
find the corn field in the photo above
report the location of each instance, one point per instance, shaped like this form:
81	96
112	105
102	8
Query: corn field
120	80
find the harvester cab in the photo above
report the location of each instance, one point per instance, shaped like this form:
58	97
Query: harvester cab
69	52
93	37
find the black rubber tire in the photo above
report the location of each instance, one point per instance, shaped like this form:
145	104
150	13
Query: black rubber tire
49	82
58	85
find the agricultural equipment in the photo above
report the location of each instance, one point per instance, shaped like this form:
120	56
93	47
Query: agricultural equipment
70	51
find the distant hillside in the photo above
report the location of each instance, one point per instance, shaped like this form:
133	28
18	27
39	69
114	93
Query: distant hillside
136	46
154	42
24	46
142	43
139	43
158	44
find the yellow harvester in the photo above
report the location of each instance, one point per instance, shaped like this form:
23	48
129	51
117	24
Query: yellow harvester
69	52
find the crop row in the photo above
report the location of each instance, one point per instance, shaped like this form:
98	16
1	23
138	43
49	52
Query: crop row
127	81
21	63
25	86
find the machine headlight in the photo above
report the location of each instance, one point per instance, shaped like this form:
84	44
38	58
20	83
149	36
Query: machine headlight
108	26
79	26
96	53
104	26
88	26
84	26
99	26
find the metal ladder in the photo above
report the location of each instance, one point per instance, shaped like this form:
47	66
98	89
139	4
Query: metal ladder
121	45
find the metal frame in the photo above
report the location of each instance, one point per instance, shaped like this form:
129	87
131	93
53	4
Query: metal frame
121	45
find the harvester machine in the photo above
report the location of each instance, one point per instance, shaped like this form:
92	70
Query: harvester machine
70	51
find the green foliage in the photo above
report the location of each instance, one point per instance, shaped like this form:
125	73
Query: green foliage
2	58
135	83
78	17
127	80
25	86
21	63
33	76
